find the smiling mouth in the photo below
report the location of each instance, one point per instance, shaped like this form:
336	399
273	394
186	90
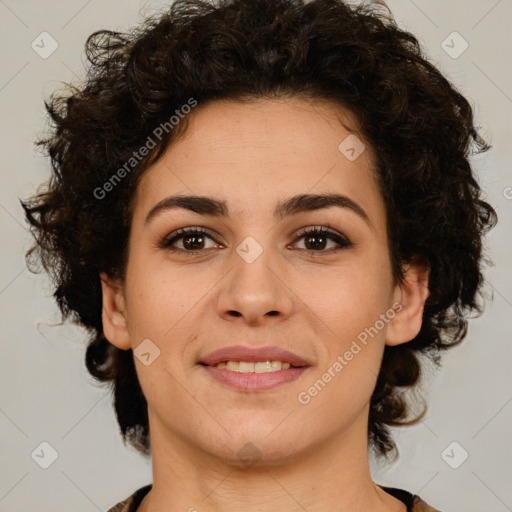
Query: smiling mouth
254	376
253	367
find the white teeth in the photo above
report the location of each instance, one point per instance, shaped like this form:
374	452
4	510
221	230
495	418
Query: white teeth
263	367
259	367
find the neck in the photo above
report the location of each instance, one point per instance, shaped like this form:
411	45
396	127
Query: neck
334	475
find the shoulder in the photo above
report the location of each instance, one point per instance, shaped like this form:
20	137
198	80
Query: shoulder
420	506
413	502
131	503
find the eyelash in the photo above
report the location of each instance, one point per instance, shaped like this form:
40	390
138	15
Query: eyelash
317	231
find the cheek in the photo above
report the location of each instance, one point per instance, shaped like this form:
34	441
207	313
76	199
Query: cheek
159	299
346	300
351	312
163	306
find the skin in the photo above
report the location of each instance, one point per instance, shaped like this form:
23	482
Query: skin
312	457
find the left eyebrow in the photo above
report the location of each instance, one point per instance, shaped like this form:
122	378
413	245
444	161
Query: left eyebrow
204	205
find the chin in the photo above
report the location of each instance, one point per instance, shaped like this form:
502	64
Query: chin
245	451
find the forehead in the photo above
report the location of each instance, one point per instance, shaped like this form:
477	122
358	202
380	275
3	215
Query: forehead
253	155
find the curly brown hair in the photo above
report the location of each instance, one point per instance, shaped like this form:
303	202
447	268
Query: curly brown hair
420	128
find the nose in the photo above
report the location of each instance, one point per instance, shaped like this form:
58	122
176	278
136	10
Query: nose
257	287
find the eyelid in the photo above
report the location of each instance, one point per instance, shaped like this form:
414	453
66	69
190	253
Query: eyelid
325	228
166	241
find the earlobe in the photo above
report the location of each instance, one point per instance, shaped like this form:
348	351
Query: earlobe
411	294
113	312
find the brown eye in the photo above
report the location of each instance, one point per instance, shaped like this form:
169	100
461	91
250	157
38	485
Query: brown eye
316	240
193	241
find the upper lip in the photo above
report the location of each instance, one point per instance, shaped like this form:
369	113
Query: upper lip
249	354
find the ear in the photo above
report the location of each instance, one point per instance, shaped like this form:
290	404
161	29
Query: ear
113	312
411	294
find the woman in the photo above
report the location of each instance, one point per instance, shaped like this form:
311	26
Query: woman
263	210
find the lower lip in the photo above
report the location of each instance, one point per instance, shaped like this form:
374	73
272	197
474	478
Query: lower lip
254	381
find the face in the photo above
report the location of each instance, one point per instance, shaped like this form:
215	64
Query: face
252	278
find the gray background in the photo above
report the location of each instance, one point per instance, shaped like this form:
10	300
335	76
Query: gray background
46	393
